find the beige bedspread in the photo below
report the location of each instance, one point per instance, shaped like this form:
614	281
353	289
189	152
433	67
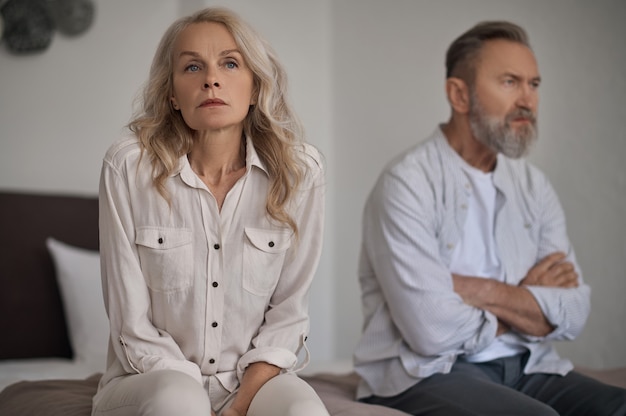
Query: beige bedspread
73	397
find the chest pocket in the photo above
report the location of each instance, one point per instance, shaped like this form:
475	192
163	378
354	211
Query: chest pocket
263	257
166	256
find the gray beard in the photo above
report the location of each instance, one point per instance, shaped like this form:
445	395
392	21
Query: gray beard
499	135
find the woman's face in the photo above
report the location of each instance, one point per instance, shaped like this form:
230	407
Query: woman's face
212	84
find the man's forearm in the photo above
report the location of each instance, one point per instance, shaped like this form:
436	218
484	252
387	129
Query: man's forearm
515	306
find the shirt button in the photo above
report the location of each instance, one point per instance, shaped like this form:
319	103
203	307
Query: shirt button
214	324
215	284
450	246
271	244
463	206
160	240
216	246
211	361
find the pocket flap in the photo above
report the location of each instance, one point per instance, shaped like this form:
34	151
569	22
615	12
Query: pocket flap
162	238
269	241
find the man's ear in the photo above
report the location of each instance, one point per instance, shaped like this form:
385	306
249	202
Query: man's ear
458	94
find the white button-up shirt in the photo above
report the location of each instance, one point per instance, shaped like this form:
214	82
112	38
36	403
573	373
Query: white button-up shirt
415	324
196	289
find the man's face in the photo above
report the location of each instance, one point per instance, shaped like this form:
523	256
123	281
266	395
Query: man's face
503	100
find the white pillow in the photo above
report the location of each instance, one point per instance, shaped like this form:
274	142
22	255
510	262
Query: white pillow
78	275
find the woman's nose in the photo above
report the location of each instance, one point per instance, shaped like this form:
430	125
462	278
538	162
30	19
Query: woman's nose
208	85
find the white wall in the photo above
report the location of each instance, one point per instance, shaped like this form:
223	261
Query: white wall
61	108
367	80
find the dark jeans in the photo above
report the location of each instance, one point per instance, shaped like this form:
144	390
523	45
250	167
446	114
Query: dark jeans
499	387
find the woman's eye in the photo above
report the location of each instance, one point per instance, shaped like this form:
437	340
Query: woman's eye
231	65
192	68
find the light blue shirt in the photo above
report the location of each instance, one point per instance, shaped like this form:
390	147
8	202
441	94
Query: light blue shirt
415	325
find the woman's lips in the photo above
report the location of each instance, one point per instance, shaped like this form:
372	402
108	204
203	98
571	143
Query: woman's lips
212	102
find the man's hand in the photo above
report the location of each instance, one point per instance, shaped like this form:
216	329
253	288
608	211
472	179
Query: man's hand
502	328
552	271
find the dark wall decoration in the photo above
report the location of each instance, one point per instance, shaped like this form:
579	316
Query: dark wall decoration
28	26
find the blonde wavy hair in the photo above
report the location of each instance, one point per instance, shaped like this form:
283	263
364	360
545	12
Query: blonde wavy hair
271	122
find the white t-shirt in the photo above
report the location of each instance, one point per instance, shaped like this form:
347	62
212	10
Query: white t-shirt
477	254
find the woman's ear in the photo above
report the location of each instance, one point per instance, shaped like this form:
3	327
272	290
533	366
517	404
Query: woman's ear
174	103
458	95
255	96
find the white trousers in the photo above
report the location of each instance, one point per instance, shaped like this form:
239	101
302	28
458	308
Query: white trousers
172	393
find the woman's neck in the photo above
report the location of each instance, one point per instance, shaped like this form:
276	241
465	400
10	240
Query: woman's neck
219	162
216	155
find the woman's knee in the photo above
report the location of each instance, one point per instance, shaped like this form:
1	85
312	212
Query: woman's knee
158	393
306	407
169	392
287	395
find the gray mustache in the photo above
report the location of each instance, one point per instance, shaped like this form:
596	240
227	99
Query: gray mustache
521	112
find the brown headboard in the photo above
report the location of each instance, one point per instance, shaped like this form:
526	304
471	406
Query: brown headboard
32	322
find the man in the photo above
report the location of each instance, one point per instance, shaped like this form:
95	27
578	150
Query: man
466	271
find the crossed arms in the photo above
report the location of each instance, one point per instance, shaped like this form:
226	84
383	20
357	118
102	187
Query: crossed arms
514	306
410	225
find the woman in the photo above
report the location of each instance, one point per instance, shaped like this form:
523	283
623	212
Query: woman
211	217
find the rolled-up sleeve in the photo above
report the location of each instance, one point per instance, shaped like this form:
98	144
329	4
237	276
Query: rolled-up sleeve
567	309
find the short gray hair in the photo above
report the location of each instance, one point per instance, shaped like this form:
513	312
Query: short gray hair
462	53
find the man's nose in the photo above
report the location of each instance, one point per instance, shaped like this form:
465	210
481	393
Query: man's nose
527	97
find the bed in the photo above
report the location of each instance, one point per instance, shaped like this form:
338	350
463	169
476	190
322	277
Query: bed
53	338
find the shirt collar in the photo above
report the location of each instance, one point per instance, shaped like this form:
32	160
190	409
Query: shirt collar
190	178
252	157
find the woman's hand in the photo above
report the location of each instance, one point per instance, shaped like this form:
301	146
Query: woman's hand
254	377
231	412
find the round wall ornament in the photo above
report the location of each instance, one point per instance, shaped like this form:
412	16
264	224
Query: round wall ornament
72	17
28	26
